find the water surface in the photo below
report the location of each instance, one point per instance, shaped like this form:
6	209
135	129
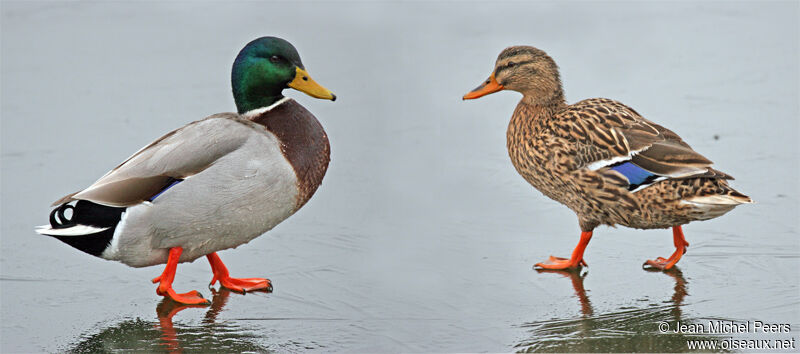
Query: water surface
422	236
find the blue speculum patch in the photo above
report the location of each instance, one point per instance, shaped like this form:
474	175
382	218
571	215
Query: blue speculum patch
172	183
635	174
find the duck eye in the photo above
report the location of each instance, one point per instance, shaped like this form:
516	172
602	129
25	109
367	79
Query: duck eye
511	64
275	59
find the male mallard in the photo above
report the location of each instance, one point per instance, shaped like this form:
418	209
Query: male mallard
211	185
602	159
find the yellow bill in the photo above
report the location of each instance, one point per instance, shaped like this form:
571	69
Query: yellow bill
304	83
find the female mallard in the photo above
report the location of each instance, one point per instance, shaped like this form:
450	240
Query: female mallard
211	185
602	159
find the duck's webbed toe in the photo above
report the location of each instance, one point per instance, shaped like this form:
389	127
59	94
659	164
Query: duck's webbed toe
241	285
574	262
188	298
680	248
168	276
559	263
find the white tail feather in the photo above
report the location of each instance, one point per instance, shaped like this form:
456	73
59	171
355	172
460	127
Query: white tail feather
77	230
719	200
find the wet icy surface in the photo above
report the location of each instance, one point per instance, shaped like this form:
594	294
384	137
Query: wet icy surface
422	235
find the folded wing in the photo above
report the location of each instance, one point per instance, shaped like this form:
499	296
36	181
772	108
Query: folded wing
177	155
612	136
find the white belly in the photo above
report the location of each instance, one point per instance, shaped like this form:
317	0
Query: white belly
238	198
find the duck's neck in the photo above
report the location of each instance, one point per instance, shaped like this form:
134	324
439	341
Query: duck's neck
252	89
247	103
532	108
552	99
253	114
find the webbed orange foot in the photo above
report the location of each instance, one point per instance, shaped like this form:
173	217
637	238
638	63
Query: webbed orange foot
662	263
241	285
666	263
574	262
188	298
680	248
558	263
165	282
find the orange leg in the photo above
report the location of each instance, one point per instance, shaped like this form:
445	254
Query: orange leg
574	262
165	282
241	285
680	249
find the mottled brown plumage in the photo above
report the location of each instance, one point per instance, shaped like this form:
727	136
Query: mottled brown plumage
568	153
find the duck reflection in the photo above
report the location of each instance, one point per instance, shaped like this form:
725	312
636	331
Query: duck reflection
167	308
679	291
577	283
627	330
138	335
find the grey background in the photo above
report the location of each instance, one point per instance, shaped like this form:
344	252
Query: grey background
422	235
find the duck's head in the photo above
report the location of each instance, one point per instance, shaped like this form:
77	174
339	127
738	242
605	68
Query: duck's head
266	66
524	69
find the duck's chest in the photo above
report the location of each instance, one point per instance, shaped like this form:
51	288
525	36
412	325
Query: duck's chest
303	143
536	151
527	139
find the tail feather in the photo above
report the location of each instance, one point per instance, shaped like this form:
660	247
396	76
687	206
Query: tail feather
58	219
715	205
90	228
77	230
721	199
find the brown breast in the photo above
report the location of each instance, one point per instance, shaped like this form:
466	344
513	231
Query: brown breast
303	143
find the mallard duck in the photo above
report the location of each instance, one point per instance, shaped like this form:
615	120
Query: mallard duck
211	185
602	159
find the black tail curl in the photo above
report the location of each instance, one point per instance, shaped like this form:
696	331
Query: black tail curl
87	213
57	218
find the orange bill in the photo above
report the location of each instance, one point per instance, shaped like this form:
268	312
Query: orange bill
489	86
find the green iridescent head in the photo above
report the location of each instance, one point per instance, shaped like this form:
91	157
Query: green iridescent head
264	68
